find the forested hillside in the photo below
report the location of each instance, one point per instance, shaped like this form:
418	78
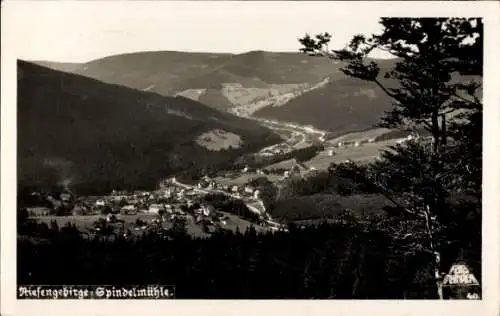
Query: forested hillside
96	136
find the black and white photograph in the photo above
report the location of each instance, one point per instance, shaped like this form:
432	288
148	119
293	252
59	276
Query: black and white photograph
256	151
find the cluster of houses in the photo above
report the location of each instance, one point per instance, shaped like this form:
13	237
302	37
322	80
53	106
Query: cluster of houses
275	150
357	143
172	200
238	191
408	138
55	203
299	170
129	203
258	171
353	143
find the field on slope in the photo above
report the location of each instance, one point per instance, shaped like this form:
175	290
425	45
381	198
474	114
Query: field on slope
319	207
342	106
98	137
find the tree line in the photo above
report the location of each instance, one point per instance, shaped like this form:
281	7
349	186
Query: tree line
336	261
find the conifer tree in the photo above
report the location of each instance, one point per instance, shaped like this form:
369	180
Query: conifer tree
434	86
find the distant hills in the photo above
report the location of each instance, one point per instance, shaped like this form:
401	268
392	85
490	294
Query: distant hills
96	136
251	82
166	72
342	106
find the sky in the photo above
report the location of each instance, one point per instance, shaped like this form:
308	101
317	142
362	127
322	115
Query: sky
84	31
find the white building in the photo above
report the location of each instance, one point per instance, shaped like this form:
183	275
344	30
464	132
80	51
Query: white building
249	189
117	198
356	144
167	193
38	211
169	208
205	210
155	208
129	208
286	174
100	203
330	153
256	194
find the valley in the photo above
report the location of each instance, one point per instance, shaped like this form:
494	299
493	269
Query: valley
211	117
202	114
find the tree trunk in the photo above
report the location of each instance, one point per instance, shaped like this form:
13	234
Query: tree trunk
443	130
437	255
437	275
436	134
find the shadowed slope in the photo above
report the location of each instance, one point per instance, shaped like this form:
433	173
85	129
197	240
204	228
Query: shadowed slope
97	136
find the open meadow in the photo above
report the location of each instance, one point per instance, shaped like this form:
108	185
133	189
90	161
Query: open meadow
245	178
363	135
364	153
85	222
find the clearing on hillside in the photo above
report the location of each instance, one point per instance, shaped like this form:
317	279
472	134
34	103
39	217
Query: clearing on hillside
218	139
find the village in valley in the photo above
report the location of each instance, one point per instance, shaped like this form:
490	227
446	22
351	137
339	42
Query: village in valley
132	213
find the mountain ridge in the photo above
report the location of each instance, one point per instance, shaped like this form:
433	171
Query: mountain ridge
102	136
253	83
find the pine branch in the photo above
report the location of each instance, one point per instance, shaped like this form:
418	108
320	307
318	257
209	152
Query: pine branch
476	101
392	95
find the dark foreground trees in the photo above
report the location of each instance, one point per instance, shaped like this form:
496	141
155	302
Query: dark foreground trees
341	261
